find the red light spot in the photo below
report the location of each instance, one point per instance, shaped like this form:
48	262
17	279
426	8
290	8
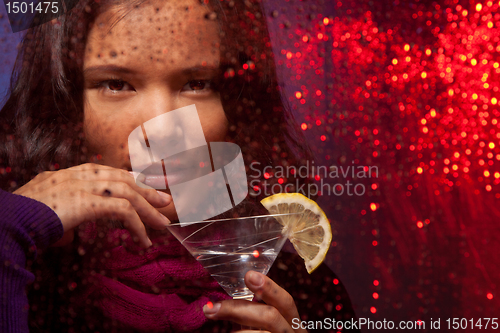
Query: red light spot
420	224
256	254
318	122
374	186
256	188
316	177
489	296
373	206
210	305
202	164
318	92
305	39
373	309
303	126
375	295
266	175
375	282
338	307
298	94
245	66
374	243
323	138
280	180
326	21
335	281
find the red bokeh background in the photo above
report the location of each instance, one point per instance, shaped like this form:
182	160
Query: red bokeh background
412	88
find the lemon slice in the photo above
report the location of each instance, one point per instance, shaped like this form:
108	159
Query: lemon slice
308	230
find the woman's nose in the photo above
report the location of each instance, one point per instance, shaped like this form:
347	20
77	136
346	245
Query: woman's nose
174	132
165	135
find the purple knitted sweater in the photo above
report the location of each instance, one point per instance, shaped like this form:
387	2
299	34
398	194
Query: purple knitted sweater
25	225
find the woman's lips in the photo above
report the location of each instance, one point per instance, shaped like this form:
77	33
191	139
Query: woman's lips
156	181
172	178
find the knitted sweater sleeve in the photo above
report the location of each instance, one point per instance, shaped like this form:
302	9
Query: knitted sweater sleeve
25	225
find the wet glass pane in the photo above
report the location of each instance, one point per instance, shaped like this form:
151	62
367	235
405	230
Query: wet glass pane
122	117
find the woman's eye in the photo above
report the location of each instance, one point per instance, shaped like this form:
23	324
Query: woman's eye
197	85
116	85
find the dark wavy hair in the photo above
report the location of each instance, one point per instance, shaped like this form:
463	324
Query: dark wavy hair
41	123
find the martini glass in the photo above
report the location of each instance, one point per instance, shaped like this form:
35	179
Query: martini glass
229	248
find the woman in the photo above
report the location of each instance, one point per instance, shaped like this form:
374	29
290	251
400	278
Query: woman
83	83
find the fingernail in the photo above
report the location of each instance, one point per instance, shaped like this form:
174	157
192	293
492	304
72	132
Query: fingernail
255	279
148	243
166	198
139	177
165	220
211	309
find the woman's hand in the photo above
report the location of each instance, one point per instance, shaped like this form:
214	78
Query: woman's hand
274	316
90	191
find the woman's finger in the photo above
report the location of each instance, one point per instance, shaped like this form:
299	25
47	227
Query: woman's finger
93	207
64	174
96	172
267	290
147	213
247	313
75	206
47	180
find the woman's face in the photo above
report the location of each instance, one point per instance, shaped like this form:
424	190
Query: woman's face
159	57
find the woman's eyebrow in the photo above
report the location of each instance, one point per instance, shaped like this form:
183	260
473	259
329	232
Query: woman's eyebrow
107	68
209	69
200	69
